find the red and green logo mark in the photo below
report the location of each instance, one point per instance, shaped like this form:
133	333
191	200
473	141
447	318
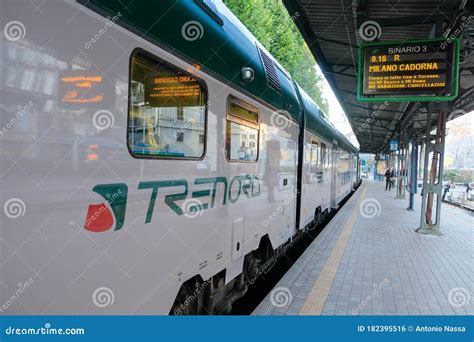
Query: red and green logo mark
101	217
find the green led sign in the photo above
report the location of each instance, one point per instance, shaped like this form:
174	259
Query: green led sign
421	70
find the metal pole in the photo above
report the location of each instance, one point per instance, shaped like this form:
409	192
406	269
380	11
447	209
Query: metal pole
421	156
413	174
375	170
433	172
434	185
400	194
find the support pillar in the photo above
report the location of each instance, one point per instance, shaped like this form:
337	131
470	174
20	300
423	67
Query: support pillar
413	174
401	176
433	180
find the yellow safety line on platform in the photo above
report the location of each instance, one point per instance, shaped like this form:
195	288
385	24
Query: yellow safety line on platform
316	300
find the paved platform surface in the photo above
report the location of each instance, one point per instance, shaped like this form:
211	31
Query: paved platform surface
370	261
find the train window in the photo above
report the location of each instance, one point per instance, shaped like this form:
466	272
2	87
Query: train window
167	112
242	131
314	154
324	156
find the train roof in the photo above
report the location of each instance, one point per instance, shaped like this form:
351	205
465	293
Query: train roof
212	38
208	35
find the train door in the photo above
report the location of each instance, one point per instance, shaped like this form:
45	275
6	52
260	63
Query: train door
334	159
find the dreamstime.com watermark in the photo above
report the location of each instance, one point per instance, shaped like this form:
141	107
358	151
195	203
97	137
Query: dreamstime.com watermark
371	296
373	116
14	30
22	110
46	330
109	23
266	222
103	297
190	299
295	16
280	119
192	208
466	21
281	297
14	208
110	199
192	30
370	207
103	119
370	30
22	287
459	296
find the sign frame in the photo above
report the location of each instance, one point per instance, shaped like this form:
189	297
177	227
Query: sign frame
393	142
409	98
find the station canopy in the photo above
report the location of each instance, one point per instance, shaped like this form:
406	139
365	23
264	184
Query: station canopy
334	31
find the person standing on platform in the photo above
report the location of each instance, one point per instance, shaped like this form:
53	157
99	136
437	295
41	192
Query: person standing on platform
387	180
392	179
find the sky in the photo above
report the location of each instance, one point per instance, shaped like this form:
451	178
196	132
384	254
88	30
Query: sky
336	113
459	141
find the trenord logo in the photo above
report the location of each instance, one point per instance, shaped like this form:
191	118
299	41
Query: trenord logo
102	216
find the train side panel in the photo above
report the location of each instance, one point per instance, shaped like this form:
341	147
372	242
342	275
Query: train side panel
343	164
316	178
65	161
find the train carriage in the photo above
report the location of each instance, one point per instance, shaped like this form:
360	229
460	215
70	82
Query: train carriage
156	156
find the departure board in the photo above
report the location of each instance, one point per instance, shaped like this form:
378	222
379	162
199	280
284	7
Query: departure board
408	71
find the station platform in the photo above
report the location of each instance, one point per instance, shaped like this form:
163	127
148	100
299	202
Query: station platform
369	260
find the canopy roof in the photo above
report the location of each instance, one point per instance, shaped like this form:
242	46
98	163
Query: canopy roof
331	30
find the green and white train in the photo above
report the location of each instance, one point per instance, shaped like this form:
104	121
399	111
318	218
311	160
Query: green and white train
154	158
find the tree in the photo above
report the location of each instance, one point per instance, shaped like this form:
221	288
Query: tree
271	24
459	141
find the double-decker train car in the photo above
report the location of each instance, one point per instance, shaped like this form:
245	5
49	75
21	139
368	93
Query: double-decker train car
154	158
328	162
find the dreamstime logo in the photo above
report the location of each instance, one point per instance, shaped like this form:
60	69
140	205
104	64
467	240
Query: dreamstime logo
281	297
370	30
103	296
14	30
280	119
192	208
192	30
14	208
458	297
456	113
370	208
103	119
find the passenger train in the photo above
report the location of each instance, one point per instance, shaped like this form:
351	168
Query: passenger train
154	158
